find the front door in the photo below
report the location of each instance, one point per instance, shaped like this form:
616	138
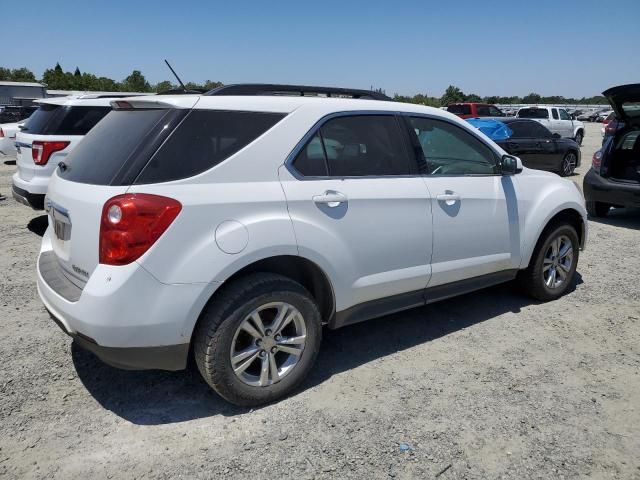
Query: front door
360	209
475	215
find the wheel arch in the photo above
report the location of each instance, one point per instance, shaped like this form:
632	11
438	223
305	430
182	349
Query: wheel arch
570	215
299	269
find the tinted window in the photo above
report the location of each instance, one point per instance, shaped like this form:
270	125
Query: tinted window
311	161
495	112
459	109
533	113
554	113
540	131
362	145
106	149
564	115
521	129
65	120
450	150
483	111
204	139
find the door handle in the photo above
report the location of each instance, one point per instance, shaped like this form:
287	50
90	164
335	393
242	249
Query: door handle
330	198
448	198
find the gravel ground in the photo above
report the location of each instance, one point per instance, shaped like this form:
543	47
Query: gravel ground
490	385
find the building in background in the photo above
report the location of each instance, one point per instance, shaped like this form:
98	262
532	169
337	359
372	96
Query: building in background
21	93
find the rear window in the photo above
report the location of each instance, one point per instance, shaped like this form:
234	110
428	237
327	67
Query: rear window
204	139
533	113
156	145
65	120
459	109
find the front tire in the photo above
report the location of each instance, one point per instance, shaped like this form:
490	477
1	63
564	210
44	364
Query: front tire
568	164
552	269
258	339
579	137
597	209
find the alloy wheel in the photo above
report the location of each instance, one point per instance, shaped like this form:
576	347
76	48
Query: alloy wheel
268	344
558	261
569	164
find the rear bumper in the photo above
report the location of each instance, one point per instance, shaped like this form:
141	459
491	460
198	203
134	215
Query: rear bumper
599	189
123	314
35	201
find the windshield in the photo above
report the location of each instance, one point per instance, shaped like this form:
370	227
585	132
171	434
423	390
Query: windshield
533	113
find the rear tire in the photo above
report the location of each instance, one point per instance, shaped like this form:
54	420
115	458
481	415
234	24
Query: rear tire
568	164
232	348
597	209
551	272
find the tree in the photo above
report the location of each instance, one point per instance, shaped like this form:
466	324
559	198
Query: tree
5	74
532	98
452	95
22	75
163	86
136	83
472	97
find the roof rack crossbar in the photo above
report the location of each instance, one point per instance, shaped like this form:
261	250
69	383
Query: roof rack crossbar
254	89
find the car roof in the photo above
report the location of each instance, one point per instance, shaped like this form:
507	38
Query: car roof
280	104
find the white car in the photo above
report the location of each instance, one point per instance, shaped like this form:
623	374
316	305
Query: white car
232	226
8	133
555	119
52	132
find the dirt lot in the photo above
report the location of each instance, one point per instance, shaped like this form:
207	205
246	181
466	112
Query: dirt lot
490	385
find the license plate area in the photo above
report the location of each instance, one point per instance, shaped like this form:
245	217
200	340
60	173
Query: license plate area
60	221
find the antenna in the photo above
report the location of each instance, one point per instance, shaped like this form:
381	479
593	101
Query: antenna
176	75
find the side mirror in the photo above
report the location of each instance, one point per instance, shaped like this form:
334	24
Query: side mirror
510	165
556	135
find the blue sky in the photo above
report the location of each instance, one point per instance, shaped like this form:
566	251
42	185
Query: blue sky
563	47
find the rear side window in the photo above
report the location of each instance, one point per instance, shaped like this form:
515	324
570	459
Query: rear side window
355	146
533	113
65	120
459	109
204	139
554	112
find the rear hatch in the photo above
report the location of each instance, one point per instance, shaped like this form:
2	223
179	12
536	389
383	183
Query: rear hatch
625	101
102	166
62	125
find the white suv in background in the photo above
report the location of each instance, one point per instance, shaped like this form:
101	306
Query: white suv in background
52	132
232	226
556	119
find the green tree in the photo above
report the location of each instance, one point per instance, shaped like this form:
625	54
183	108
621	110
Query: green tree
163	86
5	74
22	75
532	98
136	83
472	97
452	95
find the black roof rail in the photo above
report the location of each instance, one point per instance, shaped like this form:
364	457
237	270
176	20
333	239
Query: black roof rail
252	89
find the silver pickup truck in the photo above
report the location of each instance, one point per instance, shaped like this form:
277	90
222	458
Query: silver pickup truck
555	119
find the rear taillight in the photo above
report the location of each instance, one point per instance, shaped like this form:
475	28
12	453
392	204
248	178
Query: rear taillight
596	161
611	127
41	151
131	223
1	133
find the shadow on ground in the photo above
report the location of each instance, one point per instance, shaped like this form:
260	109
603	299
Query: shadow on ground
156	397
38	225
621	217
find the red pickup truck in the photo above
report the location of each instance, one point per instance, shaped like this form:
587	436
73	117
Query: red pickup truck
473	110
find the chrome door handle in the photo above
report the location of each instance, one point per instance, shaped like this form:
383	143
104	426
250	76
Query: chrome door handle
330	198
449	198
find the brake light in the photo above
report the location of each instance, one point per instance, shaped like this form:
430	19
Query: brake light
596	161
131	224
611	127
41	151
1	133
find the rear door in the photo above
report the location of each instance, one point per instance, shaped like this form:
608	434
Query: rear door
360	209
566	123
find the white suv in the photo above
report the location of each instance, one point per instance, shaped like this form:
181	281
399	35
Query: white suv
51	133
231	226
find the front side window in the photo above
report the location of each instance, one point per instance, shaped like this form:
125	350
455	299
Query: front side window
495	112
355	146
564	115
450	150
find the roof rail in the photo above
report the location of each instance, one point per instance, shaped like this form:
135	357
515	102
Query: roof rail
251	89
